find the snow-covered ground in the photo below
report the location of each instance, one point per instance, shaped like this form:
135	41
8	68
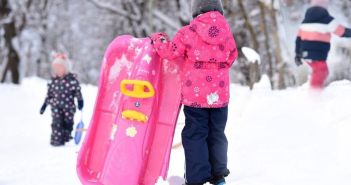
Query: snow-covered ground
276	137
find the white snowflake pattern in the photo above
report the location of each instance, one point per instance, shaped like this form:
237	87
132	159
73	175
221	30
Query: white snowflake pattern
212	98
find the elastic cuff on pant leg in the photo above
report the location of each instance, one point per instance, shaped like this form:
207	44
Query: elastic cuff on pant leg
222	174
226	173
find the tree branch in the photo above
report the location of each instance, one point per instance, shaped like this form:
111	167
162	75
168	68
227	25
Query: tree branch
158	14
249	25
112	9
166	20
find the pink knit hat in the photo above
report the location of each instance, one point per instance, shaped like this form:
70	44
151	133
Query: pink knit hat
60	58
322	3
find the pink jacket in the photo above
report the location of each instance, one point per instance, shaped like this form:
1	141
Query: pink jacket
208	49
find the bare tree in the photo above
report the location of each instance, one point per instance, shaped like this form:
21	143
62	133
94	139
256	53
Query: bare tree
13	60
266	41
278	53
83	29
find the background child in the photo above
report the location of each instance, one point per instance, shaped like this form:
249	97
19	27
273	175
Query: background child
62	90
208	49
313	40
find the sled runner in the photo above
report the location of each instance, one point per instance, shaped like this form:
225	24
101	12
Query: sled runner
130	136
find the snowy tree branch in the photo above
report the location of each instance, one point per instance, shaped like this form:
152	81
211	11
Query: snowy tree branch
167	20
113	9
158	14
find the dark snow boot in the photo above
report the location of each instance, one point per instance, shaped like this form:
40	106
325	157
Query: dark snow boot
56	143
219	180
67	136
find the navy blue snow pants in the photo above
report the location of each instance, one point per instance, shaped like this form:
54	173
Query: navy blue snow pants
205	144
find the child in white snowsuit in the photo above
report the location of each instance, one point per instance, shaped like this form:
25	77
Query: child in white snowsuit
62	90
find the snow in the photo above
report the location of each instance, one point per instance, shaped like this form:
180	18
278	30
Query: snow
26	156
251	55
290	137
264	83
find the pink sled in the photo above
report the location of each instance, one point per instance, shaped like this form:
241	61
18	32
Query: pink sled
130	136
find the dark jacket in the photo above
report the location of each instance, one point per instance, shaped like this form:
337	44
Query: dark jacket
313	40
62	91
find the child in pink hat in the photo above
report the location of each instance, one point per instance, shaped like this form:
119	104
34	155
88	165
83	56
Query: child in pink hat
62	90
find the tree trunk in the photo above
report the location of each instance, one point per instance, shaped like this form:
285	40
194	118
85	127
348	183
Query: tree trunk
266	41
254	69
12	58
12	66
249	25
254	74
279	60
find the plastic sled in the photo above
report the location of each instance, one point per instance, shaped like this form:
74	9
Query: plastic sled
130	136
79	132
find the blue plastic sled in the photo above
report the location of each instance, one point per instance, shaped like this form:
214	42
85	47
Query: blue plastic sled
79	132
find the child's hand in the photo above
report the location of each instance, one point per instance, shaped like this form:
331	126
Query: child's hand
159	38
43	108
80	104
298	61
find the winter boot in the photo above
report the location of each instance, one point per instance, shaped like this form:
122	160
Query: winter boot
218	181
67	136
56	144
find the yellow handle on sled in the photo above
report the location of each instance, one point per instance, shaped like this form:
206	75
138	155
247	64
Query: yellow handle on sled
134	116
139	87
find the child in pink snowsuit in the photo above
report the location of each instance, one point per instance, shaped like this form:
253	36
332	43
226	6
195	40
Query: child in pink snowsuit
208	49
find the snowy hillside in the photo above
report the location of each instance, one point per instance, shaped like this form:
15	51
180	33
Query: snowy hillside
276	138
